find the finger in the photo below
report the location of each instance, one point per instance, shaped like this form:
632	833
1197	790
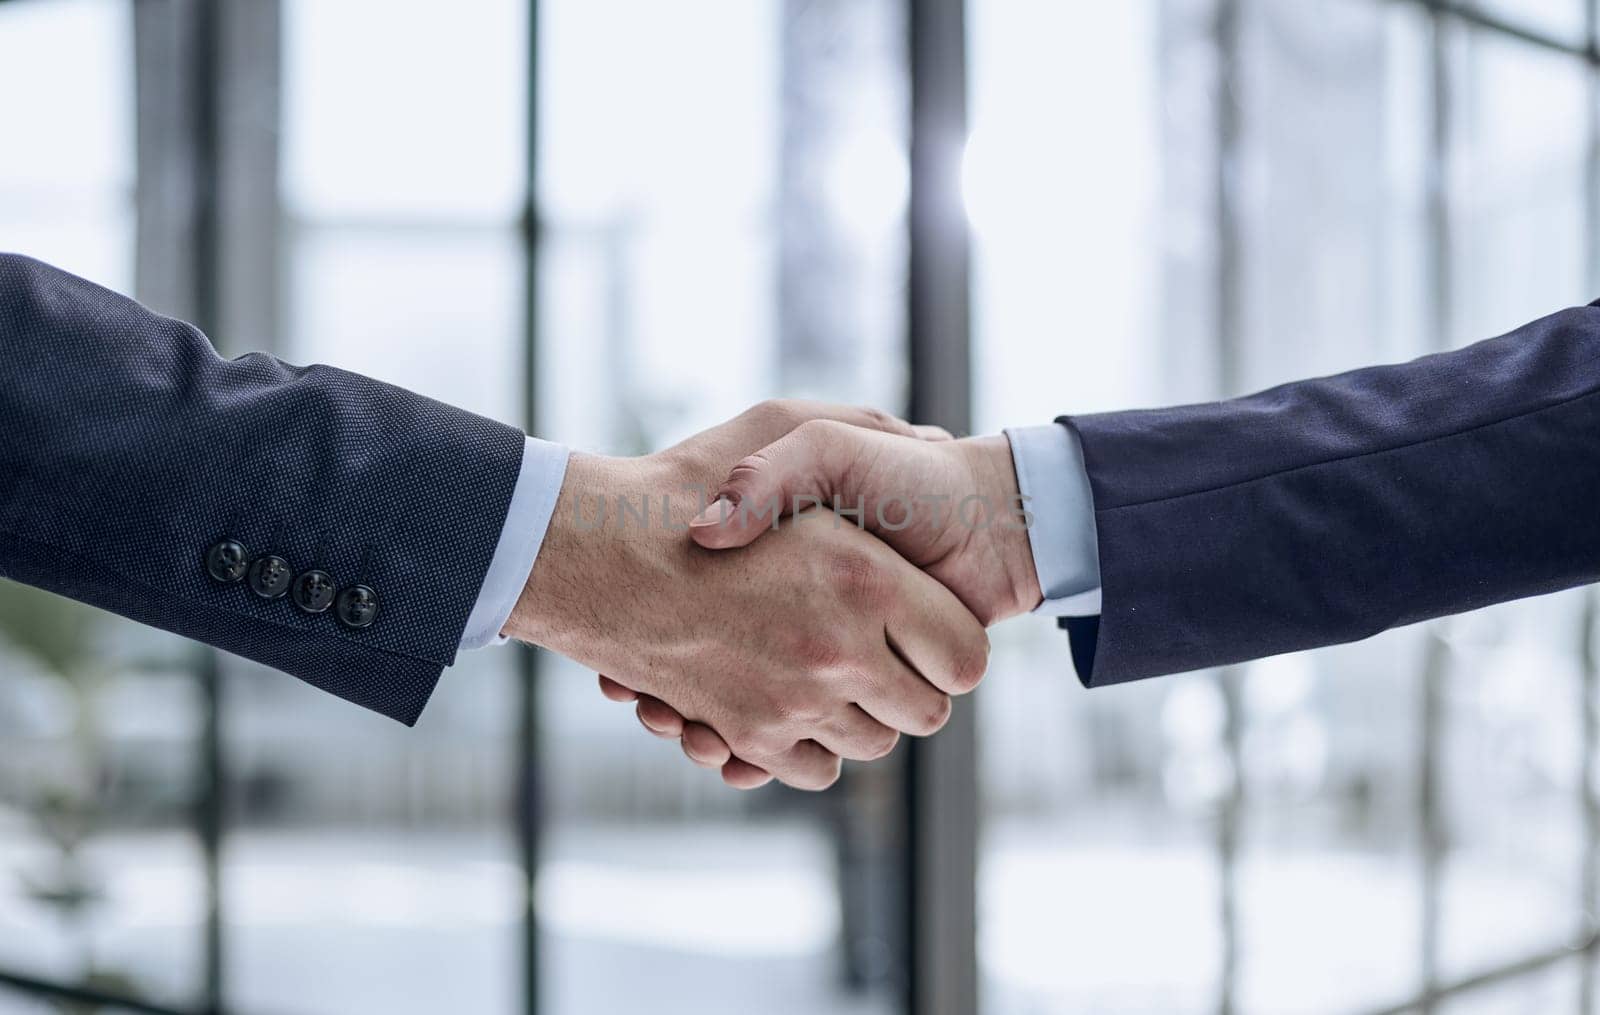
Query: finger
741	774
858	736
779	416
704	747
863	416
935	634
807	765
929	432
898	697
764	423
658	717
615	691
806	463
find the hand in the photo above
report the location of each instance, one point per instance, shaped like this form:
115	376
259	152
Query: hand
818	644
950	507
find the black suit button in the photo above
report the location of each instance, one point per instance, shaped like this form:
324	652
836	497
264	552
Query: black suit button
270	576
357	607
312	591
227	560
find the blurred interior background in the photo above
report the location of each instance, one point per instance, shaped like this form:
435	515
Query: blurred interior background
540	209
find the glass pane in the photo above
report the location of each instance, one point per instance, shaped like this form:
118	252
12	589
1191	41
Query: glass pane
1335	102
412	115
1068	237
100	873
1517	215
1513	735
1555	988
436	309
1512	753
1330	193
1560	19
1096	849
722	190
1331	175
66	195
373	867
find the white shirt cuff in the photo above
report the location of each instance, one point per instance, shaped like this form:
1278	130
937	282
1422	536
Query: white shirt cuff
1055	487
533	501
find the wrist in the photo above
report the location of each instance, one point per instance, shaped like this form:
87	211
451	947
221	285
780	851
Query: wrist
584	549
1016	588
618	530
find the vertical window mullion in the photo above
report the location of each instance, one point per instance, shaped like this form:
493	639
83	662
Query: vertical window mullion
1436	653
941	772
528	771
1589	665
1230	378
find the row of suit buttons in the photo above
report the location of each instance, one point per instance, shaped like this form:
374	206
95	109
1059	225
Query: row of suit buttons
271	577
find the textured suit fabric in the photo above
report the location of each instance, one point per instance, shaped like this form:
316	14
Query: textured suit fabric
128	447
1329	510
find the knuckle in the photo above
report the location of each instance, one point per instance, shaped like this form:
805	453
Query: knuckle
820	651
855	577
748	741
777	411
745	472
805	709
777	737
819	432
877	419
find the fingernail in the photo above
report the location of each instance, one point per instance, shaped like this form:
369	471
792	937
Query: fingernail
715	513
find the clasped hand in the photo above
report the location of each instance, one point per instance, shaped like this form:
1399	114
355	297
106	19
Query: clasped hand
769	633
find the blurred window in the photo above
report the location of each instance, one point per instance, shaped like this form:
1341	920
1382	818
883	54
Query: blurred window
1112	829
721	200
382	857
721	212
100	871
1559	19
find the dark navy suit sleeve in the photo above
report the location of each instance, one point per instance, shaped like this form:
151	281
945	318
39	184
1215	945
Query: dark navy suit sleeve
129	449
1328	510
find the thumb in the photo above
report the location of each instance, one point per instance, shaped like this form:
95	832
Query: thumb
801	468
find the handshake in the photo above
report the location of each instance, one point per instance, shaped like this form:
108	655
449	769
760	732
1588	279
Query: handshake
804	583
794	587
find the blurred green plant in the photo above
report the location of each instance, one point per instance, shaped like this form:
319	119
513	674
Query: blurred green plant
63	639
59	635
